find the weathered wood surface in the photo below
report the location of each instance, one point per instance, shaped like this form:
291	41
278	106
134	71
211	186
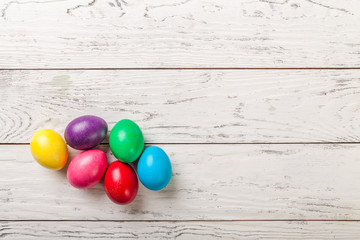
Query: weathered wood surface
295	230
207	106
210	182
156	34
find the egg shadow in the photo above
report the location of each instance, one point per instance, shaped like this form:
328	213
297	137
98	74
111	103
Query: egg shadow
97	192
136	207
106	139
103	147
72	153
170	191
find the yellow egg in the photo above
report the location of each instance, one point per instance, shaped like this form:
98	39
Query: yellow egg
49	149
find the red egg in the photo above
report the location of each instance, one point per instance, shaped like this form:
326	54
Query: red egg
87	168
121	183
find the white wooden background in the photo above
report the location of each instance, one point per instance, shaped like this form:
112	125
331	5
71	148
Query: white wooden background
255	101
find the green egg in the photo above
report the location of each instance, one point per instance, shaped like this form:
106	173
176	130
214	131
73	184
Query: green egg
126	141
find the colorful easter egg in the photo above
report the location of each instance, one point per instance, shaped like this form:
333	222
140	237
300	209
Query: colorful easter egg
85	132
121	183
154	168
49	149
126	141
87	168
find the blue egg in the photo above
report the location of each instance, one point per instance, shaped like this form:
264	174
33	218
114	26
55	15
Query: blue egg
154	168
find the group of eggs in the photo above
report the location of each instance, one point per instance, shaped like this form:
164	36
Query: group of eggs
87	168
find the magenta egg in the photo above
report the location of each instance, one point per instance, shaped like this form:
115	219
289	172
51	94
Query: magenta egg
87	168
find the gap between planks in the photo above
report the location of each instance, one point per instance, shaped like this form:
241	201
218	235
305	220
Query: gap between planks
186	220
174	68
228	143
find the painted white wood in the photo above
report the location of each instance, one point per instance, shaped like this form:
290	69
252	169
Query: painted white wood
210	182
180	33
295	230
227	106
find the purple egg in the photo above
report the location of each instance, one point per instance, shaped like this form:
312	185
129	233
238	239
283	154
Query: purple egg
85	132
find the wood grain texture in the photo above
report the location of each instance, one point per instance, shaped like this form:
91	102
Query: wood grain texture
295	230
179	34
210	182
184	106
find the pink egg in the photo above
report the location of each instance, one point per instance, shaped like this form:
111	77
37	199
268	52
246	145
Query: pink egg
87	168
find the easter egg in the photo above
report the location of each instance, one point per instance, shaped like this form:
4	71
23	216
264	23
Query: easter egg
154	168
85	132
126	141
87	168
49	149
121	183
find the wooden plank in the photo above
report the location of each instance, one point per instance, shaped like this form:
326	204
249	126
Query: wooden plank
179	34
212	106
210	182
296	230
